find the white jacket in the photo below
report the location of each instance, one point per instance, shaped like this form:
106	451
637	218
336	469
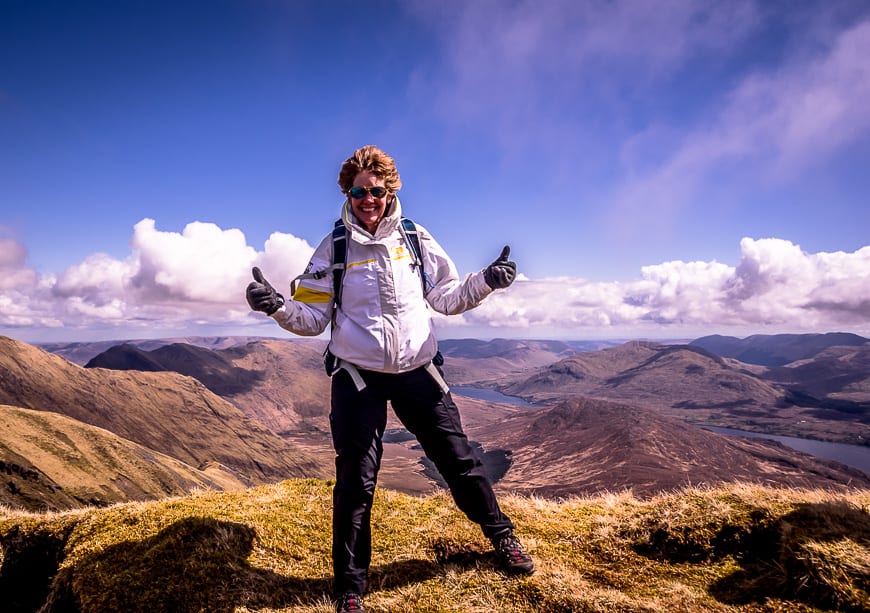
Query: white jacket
383	323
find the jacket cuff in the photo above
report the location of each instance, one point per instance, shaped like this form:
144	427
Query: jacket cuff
481	287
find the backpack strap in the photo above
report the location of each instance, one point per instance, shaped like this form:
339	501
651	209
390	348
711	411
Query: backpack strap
339	260
412	237
409	230
339	246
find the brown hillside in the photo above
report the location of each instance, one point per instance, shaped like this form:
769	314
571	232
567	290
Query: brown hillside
166	412
293	399
648	373
841	373
279	383
475	361
583	446
287	391
736	549
53	462
694	385
293	394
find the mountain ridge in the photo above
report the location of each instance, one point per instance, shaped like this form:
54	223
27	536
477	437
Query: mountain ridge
54	462
286	391
582	446
776	349
695	385
167	412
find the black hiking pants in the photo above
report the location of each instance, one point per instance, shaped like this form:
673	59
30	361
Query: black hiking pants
358	420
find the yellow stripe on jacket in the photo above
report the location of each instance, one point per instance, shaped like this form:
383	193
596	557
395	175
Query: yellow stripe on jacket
311	296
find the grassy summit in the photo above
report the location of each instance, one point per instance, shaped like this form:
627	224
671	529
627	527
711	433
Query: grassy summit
735	548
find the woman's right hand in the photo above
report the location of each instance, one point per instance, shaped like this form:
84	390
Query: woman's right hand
261	295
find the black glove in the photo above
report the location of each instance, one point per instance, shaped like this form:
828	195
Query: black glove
261	295
502	272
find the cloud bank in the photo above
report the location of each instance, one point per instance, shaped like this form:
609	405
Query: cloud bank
183	281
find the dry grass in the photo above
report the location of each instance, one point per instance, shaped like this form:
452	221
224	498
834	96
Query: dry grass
736	548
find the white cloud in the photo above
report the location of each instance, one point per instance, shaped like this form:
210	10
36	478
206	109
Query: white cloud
774	284
170	279
197	277
199	265
771	127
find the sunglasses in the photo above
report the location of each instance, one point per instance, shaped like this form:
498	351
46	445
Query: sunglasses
360	192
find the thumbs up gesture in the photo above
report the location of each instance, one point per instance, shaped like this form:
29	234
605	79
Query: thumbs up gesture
261	295
502	272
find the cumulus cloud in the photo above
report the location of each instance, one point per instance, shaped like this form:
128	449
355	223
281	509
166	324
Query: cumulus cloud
198	265
775	284
173	280
169	279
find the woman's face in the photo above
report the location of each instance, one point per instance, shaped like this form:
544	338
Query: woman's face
368	209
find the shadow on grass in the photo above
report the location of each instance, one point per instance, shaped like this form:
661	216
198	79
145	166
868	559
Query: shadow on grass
804	564
196	564
817	555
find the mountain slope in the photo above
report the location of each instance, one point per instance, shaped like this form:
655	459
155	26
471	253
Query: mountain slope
211	368
52	462
166	412
648	373
281	384
839	373
584	446
695	385
292	394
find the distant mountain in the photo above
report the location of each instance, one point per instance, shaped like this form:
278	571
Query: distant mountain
645	372
552	451
82	352
581	446
837	374
474	361
290	395
212	368
514	348
279	383
53	462
163	411
776	349
696	385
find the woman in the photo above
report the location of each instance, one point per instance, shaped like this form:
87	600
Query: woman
382	349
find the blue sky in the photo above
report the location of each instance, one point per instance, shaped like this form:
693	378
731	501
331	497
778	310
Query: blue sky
660	169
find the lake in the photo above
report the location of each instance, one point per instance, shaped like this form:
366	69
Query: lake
857	456
480	393
851	455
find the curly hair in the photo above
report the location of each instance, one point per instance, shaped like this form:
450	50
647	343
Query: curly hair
373	160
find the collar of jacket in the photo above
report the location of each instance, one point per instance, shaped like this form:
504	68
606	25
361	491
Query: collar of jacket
389	222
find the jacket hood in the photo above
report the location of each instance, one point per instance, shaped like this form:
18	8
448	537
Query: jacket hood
389	222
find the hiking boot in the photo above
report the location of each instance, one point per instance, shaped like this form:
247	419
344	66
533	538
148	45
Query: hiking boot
512	557
350	602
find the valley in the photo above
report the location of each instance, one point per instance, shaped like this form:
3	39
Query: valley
601	416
